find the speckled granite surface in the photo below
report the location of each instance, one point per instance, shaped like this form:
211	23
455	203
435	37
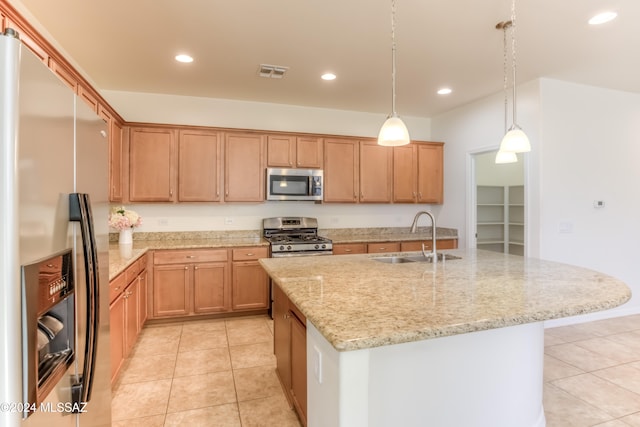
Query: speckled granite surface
143	241
357	302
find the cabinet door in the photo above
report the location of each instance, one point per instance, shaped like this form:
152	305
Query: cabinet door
430	173
151	165
309	152
142	299
116	325
171	290
281	151
250	286
376	165
115	162
299	367
341	170
282	338
199	166
130	316
405	174
210	293
244	167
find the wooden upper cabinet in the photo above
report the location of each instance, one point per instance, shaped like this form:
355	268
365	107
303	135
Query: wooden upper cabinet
281	151
430	173
151	164
341	170
309	152
244	171
405	174
288	151
199	154
115	161
376	172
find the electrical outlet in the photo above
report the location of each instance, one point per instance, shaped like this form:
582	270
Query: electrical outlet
598	203
163	221
228	220
317	364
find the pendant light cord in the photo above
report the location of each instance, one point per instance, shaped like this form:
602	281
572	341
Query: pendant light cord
393	58
513	58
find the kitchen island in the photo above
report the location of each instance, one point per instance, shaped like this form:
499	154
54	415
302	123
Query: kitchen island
456	343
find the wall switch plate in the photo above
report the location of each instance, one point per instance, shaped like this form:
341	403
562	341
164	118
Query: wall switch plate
565	227
317	364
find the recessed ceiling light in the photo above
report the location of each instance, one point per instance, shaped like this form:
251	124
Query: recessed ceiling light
184	58
444	91
603	17
328	76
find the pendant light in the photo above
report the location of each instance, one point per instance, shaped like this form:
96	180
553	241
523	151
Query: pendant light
393	132
515	140
505	156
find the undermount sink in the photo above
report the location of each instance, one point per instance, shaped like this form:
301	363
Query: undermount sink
413	258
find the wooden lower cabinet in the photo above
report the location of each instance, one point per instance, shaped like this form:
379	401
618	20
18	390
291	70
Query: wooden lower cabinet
440	244
116	320
349	248
250	287
209	281
290	349
187	282
127	312
386	247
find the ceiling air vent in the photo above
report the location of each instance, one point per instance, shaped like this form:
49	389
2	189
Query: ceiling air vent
272	71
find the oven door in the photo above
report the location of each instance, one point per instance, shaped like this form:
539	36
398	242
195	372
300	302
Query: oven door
294	184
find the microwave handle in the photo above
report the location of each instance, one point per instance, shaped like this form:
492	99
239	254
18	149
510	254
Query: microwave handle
310	189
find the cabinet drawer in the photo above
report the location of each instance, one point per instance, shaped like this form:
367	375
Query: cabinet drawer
383	247
189	256
116	286
247	254
440	244
349	248
132	271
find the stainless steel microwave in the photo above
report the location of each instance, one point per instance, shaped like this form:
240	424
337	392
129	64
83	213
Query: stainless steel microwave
294	184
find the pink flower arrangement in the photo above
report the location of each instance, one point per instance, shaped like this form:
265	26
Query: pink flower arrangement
121	218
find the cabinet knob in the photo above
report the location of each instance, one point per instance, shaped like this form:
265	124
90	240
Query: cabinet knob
286	316
117	288
170	193
186	268
195	268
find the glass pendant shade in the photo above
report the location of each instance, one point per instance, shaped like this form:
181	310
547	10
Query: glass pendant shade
506	157
515	141
393	133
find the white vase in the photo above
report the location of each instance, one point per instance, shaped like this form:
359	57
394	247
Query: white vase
126	236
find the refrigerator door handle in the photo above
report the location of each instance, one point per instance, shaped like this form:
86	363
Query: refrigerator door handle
80	211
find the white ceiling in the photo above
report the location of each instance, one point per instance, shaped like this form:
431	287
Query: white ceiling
129	45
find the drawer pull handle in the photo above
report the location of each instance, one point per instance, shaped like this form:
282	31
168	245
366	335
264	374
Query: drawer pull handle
191	256
249	254
347	250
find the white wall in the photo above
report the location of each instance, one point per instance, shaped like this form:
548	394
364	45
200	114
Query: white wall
584	148
154	108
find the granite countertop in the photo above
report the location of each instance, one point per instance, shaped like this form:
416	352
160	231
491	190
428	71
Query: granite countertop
143	241
357	302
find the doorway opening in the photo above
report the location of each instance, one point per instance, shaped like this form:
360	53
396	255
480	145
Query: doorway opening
499	209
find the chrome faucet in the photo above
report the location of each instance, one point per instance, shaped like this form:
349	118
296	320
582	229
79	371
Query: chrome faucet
414	226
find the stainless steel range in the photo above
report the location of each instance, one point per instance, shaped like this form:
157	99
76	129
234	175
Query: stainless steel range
295	236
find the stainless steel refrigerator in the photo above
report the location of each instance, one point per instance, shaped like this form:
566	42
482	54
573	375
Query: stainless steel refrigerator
54	234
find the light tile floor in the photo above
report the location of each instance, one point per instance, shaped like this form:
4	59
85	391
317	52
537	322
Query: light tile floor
202	373
222	373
